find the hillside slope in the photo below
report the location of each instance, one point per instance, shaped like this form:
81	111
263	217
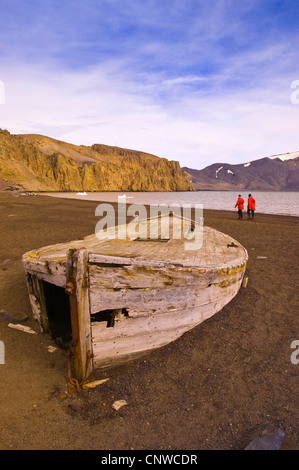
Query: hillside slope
39	163
265	174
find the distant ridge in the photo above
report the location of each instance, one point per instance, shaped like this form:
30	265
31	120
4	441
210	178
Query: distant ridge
39	163
275	173
286	156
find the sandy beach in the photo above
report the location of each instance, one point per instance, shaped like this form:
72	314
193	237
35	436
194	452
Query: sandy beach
217	387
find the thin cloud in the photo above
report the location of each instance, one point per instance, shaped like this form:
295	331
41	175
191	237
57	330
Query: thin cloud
185	80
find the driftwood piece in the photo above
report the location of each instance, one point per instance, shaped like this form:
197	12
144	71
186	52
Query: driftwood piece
94	384
119	404
24	328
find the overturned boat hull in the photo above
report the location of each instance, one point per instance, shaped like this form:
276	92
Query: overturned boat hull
118	299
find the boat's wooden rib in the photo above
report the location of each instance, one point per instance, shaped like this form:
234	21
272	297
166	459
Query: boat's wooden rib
77	288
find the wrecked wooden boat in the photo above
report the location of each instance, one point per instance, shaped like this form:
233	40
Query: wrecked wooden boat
115	299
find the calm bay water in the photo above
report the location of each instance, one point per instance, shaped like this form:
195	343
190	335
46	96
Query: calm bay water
267	202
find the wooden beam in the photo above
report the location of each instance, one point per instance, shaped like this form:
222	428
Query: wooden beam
37	301
77	288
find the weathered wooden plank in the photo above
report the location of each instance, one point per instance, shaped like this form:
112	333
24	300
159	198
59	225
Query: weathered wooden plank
37	301
137	277
210	256
44	320
77	287
59	281
145	276
106	354
133	336
52	270
34	301
129	326
107	259
51	266
160	300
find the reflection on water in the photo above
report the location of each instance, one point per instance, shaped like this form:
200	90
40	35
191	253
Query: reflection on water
268	202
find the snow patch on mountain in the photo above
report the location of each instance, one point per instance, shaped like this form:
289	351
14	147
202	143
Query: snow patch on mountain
217	171
285	156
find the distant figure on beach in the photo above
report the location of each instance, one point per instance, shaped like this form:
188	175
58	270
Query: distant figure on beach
240	205
250	206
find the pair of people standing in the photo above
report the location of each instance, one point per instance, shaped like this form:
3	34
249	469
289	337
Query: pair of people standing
250	206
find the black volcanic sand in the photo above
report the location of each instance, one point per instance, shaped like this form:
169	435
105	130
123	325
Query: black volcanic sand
217	387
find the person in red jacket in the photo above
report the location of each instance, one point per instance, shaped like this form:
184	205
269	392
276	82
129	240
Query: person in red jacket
240	205
250	206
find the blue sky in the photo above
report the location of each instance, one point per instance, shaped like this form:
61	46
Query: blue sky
200	81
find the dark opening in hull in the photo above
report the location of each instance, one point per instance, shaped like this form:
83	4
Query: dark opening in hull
58	312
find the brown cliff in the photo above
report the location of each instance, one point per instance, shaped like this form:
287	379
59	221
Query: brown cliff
40	163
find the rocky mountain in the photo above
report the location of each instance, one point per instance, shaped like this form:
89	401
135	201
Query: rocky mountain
39	163
275	173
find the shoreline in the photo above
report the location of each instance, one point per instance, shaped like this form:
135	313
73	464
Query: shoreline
217	387
46	194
